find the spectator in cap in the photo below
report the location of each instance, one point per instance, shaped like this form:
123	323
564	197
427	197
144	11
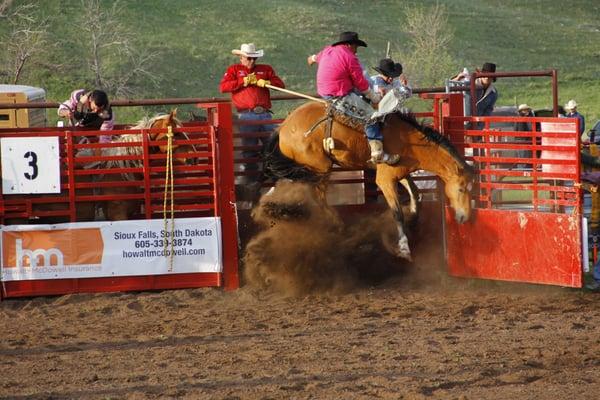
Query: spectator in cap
571	112
523	126
524	111
247	81
340	76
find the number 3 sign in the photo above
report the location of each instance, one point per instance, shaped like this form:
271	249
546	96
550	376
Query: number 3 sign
30	165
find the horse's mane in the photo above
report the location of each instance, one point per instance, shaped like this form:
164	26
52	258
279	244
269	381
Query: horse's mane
434	136
146	122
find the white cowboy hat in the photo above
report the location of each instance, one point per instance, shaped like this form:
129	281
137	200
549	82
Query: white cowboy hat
523	107
248	50
571	105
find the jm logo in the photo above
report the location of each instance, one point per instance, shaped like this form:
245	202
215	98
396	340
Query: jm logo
34	255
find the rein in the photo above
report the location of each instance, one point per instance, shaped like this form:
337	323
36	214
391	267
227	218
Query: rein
328	142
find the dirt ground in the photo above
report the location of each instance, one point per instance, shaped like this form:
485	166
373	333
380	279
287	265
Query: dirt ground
405	332
403	339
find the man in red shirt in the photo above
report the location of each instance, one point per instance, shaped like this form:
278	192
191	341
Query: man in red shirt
246	82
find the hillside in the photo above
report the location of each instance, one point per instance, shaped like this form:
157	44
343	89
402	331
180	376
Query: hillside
195	39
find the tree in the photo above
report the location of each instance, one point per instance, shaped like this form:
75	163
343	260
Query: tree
4	6
429	60
116	63
25	43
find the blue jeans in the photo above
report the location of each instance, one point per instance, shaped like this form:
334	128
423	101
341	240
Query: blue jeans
252	181
373	131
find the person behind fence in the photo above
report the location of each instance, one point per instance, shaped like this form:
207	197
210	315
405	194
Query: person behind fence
485	91
571	112
340	78
523	126
89	110
247	81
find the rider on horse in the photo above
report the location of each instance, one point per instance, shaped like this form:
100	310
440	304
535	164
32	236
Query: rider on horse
340	76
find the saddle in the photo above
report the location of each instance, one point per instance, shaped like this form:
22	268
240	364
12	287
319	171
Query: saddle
351	111
345	118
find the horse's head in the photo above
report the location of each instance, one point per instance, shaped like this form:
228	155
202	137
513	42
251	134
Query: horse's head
164	122
458	190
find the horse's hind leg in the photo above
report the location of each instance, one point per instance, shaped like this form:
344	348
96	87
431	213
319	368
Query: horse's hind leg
387	183
321	195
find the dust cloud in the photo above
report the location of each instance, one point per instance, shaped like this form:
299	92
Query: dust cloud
306	248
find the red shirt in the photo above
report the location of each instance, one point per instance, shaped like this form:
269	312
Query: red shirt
250	96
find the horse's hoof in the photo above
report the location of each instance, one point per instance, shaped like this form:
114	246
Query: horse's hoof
404	254
403	249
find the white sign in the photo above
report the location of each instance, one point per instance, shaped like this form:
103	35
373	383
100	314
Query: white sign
106	249
30	165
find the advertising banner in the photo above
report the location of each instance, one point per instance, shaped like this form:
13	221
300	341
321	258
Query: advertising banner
105	249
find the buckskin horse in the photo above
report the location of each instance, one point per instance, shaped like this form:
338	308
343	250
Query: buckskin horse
297	152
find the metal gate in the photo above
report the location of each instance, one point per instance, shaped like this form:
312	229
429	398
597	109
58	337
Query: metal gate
527	220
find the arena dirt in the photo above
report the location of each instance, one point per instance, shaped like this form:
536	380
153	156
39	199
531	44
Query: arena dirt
358	326
303	248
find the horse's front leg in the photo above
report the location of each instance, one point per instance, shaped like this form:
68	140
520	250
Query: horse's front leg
410	211
387	180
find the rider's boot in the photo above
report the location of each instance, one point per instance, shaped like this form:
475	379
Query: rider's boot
376	150
378	155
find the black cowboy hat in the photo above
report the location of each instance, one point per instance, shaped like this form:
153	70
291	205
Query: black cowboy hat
389	68
350	38
489	67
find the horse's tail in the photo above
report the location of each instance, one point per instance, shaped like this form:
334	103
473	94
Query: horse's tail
277	166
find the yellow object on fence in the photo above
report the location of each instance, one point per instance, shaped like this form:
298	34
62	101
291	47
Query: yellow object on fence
595	213
169	189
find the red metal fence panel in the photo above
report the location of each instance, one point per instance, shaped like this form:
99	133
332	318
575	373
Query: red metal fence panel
202	186
527	224
517	246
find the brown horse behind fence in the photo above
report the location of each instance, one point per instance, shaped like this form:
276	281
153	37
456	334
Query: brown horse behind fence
117	210
297	152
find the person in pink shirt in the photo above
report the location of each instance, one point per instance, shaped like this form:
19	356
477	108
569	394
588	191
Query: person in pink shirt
340	76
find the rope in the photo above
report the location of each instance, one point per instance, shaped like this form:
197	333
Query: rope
296	93
169	188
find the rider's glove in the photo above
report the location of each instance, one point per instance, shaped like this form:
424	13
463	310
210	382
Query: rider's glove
262	82
250	79
374	97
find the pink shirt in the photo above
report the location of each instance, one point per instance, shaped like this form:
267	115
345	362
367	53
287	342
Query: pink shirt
339	72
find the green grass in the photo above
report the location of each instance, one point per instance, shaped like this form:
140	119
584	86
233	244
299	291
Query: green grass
196	39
